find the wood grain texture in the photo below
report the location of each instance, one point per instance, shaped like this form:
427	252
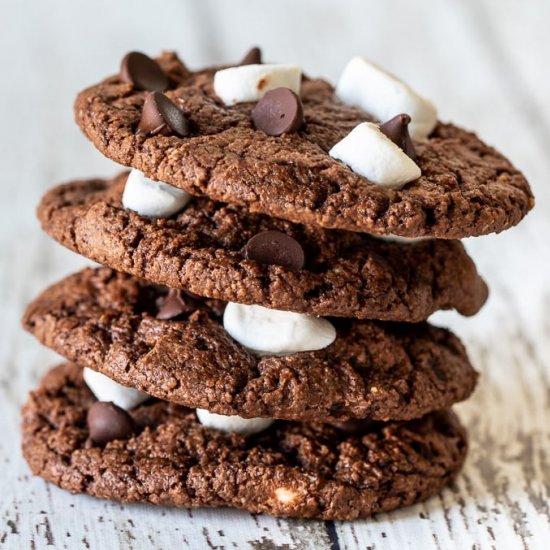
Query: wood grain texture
484	64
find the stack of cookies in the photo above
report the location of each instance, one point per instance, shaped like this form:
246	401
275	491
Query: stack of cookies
257	335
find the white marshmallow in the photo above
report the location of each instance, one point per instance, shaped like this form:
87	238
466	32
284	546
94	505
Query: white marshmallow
383	95
272	332
404	240
368	152
244	426
251	82
106	389
152	198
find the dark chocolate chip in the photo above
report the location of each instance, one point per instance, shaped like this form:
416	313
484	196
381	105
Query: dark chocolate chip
252	57
143	72
355	426
278	112
161	115
174	304
152	122
106	422
397	130
274	247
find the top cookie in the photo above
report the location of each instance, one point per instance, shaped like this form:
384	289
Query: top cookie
465	188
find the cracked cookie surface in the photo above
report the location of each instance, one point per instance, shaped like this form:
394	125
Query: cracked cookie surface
106	321
200	249
293	469
467	188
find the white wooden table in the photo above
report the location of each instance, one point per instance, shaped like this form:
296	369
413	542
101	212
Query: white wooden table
484	63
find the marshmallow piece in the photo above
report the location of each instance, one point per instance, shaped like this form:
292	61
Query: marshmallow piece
106	389
272	332
234	423
368	152
250	82
384	96
403	240
152	198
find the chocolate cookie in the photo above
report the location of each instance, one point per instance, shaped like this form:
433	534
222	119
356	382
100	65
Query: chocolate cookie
107	321
466	187
301	470
203	249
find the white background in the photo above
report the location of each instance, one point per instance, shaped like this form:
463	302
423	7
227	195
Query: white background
484	63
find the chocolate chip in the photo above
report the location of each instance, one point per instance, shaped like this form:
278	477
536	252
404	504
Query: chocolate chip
106	422
278	112
160	115
355	426
252	57
274	247
143	72
174	304
397	130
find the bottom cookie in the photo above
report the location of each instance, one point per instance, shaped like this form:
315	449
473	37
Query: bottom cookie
308	470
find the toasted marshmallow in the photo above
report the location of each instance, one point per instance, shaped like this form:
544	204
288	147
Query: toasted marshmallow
234	423
384	96
272	332
250	82
106	389
152	198
368	152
